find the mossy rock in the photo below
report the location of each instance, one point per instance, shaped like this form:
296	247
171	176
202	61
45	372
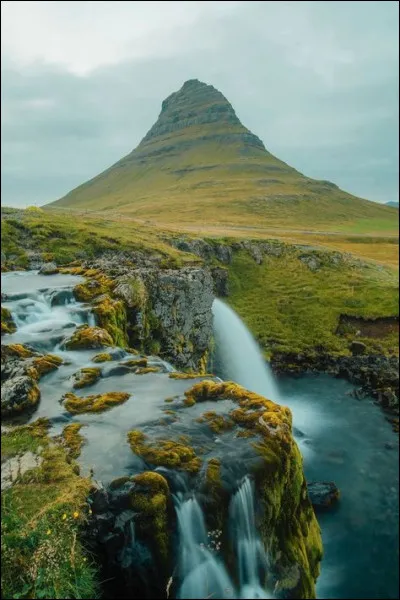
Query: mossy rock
217	423
178	375
102	357
86	338
18	395
95	403
19	351
86	376
7	322
135	362
96	285
145	370
151	499
167	453
111	316
47	363
72	439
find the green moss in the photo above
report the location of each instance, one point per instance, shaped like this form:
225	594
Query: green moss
87	376
145	370
135	362
111	316
102	357
24	438
178	375
119	482
217	423
95	403
7	323
86	337
46	364
96	285
73	440
165	453
153	481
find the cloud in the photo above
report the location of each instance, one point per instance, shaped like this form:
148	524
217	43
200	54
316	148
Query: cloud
82	82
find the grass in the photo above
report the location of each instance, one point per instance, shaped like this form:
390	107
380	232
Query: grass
62	237
42	515
300	309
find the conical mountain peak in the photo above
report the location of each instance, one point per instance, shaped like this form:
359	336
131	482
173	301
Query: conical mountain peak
196	103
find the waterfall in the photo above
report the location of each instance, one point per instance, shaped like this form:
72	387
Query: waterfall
238	354
249	549
202	572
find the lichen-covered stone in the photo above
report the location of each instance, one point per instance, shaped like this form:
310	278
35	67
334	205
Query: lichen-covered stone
95	403
86	337
86	376
7	322
165	453
102	357
49	268
18	394
111	316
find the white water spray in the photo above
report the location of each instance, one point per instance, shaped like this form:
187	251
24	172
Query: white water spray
239	354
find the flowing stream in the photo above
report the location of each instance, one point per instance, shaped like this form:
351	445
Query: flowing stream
341	438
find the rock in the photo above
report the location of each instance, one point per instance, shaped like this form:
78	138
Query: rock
357	348
220	280
18	394
18	465
390	446
48	269
99	500
311	262
86	337
323	494
7	322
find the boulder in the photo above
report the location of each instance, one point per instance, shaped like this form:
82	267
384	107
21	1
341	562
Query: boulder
323	494
85	338
357	348
48	269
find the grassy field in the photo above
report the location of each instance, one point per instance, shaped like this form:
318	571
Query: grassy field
41	517
290	308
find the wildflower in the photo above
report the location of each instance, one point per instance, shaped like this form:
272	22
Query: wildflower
48	531
84	560
64	517
76	515
90	511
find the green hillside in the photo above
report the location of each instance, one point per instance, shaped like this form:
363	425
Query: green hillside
199	162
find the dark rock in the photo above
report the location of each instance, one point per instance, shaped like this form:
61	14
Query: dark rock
390	446
323	494
99	500
357	348
19	393
123	520
221	284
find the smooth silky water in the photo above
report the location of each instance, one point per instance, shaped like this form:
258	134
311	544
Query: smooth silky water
341	438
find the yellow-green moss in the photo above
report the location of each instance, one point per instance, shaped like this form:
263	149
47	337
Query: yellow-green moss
73	440
19	351
119	482
102	357
151	502
96	285
165	453
111	316
86	377
144	370
7	323
216	422
86	337
135	362
95	403
178	375
169	400
152	480
46	364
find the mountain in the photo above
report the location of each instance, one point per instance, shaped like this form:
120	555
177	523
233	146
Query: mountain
393	204
199	164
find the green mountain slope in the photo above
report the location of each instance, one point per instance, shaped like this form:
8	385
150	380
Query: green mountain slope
199	164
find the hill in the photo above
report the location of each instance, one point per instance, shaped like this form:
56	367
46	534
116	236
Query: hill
393	204
199	162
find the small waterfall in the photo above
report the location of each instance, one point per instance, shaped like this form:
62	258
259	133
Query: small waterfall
238	354
202	574
250	553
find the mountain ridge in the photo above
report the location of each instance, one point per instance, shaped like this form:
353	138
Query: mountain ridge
200	161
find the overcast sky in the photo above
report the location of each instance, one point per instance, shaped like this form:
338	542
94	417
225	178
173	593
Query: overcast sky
82	82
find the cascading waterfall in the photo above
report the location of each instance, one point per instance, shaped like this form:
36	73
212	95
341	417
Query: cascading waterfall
250	553
203	573
238	355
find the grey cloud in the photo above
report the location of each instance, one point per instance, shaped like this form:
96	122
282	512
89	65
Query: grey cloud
342	125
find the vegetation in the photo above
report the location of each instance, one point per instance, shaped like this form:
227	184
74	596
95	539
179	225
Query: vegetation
42	515
102	357
7	323
86	376
86	337
72	439
165	453
95	403
300	309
